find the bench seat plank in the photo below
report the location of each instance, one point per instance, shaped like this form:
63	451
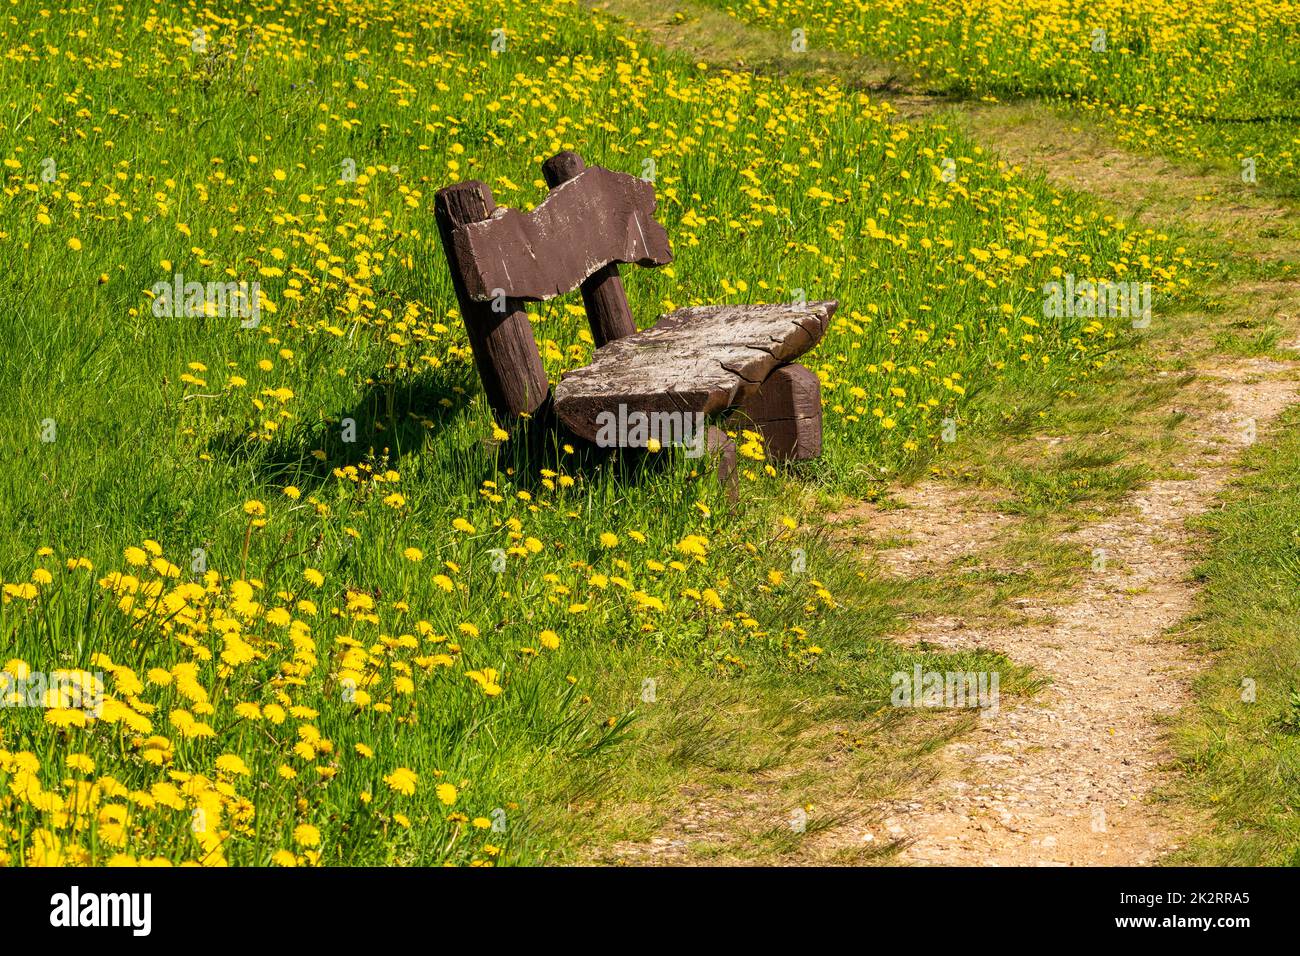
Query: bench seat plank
702	359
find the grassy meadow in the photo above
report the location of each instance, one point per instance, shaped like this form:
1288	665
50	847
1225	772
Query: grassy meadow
1211	82
340	617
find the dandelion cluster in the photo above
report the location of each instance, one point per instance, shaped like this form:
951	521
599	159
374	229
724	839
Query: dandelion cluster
1211	81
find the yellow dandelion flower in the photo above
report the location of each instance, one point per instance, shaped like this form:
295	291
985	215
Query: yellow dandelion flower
403	781
233	764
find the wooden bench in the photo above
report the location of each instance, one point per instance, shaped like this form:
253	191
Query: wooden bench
730	363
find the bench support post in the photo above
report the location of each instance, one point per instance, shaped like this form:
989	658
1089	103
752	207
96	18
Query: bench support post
603	296
505	352
786	409
723	451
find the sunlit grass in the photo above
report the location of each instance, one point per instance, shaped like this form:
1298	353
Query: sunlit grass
1213	82
322	650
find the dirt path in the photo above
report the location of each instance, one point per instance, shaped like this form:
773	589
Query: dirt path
1064	778
1068	777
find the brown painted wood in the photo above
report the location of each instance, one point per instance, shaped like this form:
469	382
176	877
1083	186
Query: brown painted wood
704	359
603	296
505	352
596	218
786	410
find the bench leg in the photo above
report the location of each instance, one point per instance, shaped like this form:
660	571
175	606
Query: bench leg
723	450
505	352
787	411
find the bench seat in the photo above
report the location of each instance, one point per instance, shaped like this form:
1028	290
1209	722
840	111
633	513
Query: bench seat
703	359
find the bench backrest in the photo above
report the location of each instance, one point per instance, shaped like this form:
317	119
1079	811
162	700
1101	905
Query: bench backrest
593	220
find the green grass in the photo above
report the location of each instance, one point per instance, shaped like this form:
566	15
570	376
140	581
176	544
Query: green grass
1239	746
222	451
1212	82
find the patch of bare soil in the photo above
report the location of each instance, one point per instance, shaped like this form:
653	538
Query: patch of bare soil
929	525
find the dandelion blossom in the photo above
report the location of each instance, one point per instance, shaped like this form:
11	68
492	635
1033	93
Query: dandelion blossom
402	780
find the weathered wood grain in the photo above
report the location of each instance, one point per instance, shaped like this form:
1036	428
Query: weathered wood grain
596	218
505	352
704	359
786	409
603	296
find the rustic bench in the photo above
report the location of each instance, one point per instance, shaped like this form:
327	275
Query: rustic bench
727	363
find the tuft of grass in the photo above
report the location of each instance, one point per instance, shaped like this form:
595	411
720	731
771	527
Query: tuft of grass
1237	745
